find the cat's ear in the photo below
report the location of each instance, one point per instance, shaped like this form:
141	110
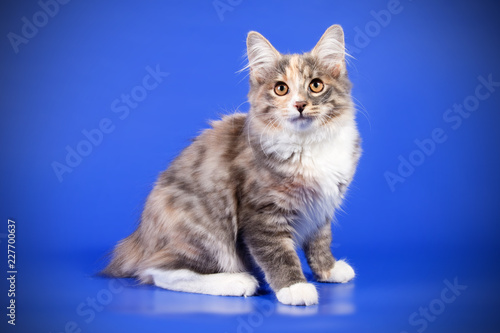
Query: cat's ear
262	56
330	50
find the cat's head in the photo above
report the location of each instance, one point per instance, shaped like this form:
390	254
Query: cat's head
298	92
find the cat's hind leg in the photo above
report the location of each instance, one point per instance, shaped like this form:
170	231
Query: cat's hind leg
223	284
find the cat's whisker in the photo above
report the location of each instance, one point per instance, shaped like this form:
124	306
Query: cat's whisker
238	107
361	108
324	119
248	133
278	121
268	127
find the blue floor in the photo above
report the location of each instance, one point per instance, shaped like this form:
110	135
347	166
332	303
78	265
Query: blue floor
78	157
422	290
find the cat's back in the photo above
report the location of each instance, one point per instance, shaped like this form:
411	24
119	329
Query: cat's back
225	133
209	157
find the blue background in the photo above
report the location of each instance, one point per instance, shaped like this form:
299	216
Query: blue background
407	242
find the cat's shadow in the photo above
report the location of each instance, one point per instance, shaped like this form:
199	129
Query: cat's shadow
146	299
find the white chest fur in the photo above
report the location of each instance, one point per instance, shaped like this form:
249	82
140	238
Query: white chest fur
327	167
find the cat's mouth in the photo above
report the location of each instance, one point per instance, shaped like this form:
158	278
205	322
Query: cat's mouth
302	121
302	118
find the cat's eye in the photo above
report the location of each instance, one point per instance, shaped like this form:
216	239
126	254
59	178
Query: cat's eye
281	88
316	85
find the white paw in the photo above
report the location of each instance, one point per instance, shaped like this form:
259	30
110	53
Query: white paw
240	284
301	293
222	284
342	272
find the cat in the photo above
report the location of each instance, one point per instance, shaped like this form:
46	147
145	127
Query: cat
254	187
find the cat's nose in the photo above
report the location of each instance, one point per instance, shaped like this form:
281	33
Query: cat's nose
300	105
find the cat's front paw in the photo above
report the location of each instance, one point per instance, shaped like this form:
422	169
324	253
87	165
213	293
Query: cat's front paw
301	293
341	272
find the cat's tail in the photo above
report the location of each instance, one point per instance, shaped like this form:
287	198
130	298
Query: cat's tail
125	259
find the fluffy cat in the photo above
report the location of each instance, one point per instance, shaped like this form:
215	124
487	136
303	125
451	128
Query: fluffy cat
251	189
